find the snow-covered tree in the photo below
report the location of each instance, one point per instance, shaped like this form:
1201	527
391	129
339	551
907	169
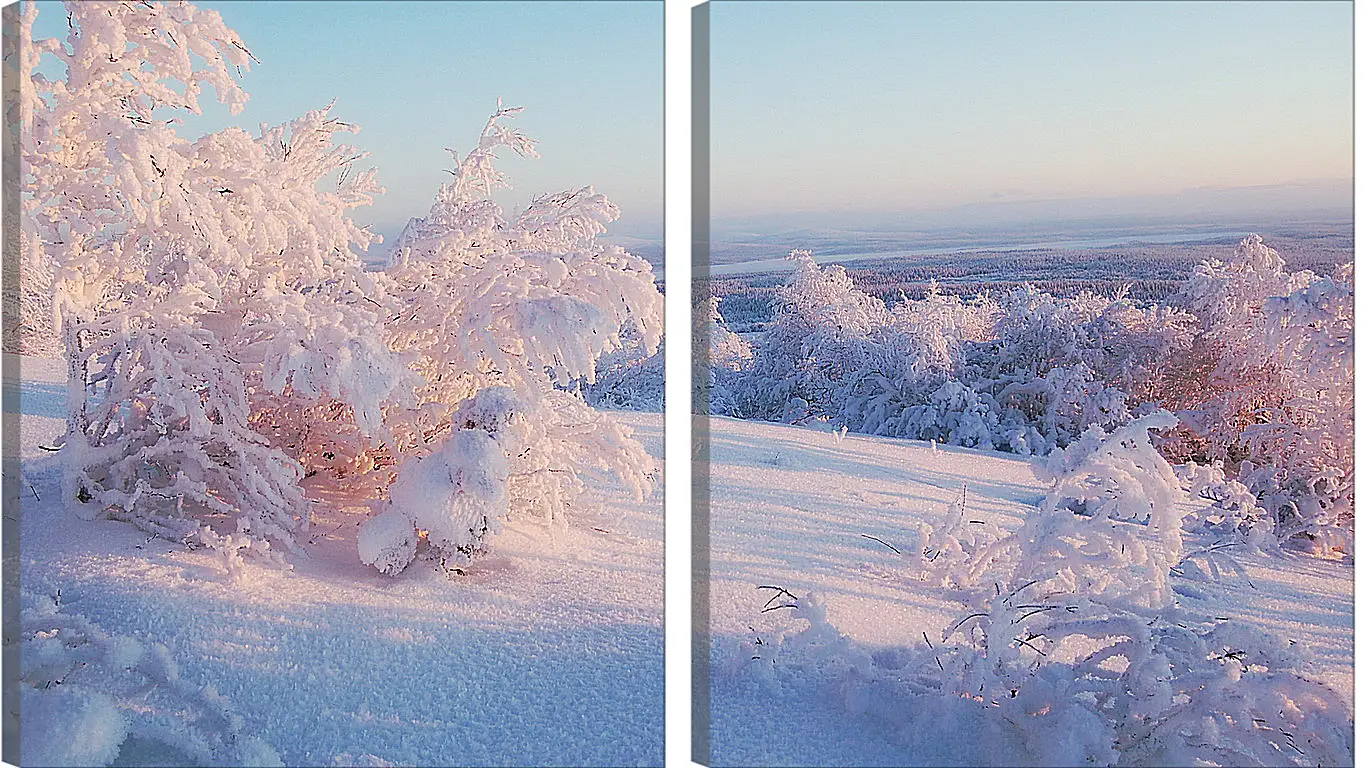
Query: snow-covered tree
821	320
207	292
1278	395
1137	344
1108	528
526	307
223	338
719	358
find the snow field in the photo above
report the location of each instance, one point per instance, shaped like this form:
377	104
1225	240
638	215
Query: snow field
790	507
548	652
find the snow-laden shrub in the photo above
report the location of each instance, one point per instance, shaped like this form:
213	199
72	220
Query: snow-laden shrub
1026	374
202	289
1038	332
455	496
1311	444
1041	413
452	498
960	415
1137	344
1072	651
1058	366
223	339
1232	513
720	358
85	694
1124	343
891	375
814	341
167	442
627	381
1108	528
630	377
836	353
505	320
1278	396
949	550
905	378
1156	692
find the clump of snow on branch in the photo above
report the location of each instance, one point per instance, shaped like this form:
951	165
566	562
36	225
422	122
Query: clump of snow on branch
455	495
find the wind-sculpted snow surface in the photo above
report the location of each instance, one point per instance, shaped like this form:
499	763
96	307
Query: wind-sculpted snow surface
942	606
518	661
245	393
86	696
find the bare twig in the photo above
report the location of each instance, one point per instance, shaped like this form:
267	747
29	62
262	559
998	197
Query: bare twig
966	619
777	594
879	541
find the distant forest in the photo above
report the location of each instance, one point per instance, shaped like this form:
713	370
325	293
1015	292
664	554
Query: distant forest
1150	273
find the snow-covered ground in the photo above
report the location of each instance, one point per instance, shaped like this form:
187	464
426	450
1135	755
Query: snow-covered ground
790	507
548	652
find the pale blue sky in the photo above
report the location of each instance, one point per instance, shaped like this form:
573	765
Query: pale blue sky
915	105
421	76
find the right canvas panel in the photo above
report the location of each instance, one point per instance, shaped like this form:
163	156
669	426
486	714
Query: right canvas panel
1025	392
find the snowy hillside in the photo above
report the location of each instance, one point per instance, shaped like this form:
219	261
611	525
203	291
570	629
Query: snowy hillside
523	660
795	508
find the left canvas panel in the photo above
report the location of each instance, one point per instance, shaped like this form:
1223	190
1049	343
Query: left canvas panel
333	398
